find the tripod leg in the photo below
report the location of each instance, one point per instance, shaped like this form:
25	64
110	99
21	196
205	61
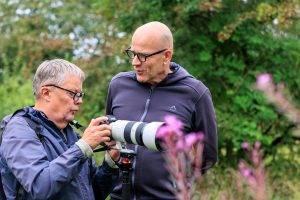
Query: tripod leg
126	185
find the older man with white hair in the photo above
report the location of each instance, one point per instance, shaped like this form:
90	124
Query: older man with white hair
52	161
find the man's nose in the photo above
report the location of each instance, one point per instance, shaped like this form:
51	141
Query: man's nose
79	101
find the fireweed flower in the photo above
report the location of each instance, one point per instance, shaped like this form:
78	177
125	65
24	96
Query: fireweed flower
245	145
254	174
183	156
164	132
193	138
190	139
180	145
263	81
255	158
242	165
257	144
246	172
171	127
172	120
275	95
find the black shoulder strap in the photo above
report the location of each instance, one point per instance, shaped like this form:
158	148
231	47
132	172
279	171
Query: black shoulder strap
34	126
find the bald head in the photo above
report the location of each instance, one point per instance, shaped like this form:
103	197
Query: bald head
155	34
151	52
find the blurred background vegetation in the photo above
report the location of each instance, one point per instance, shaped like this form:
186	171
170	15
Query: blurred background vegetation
225	44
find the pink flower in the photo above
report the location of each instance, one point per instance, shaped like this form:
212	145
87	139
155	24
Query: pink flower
180	145
193	138
245	145
263	81
242	165
190	139
174	123
246	172
200	136
257	145
255	158
164	132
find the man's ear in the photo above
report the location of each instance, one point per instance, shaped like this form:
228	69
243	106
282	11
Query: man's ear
168	55
45	93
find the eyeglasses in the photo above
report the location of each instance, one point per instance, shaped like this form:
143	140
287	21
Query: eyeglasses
76	95
142	57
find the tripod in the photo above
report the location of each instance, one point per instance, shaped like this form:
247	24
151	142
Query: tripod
125	164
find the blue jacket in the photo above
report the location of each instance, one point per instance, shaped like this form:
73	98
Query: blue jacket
178	94
49	167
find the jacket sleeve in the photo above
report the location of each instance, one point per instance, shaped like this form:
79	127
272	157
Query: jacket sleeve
27	159
204	119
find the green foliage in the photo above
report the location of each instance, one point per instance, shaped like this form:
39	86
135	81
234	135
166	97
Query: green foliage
15	93
279	186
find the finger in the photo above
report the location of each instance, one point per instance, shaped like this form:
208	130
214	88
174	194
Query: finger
111	143
102	127
105	133
114	154
101	119
105	139
98	120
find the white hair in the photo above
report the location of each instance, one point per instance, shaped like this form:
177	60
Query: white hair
54	72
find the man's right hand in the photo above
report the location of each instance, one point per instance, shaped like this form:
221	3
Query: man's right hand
95	133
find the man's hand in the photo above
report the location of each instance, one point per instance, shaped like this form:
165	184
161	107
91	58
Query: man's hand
113	153
95	133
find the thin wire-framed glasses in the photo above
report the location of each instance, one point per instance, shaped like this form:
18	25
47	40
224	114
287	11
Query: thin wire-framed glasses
76	95
141	56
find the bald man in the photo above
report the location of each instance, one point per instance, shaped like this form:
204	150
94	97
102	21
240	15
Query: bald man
158	87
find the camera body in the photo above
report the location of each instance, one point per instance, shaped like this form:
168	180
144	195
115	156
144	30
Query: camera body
132	132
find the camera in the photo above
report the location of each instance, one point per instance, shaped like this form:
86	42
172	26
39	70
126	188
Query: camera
132	132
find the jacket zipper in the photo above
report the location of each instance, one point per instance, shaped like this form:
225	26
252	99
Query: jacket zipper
136	146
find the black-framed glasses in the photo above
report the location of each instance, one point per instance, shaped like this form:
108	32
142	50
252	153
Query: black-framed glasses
141	56
76	95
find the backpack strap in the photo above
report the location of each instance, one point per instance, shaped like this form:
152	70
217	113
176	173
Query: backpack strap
34	126
37	129
5	121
